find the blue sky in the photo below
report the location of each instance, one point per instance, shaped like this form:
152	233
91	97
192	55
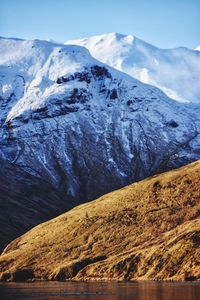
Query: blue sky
164	23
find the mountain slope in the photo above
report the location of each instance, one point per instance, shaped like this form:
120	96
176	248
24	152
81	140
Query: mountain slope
175	71
25	201
83	127
148	230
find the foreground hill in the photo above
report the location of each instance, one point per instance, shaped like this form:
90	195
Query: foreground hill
83	127
175	71
148	230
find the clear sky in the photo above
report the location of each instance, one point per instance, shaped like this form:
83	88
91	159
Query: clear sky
164	23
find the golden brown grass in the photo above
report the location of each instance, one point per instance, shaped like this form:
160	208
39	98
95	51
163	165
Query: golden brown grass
148	230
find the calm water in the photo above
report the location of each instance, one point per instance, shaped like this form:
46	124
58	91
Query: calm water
103	290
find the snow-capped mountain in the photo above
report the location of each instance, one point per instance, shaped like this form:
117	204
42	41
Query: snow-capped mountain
175	71
83	127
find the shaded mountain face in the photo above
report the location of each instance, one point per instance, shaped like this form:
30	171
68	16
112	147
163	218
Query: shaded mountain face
82	127
175	71
26	201
148	230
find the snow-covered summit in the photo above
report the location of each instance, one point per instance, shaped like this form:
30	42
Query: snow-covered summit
56	86
175	71
29	71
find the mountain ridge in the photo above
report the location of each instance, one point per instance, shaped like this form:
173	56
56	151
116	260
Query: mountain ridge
172	70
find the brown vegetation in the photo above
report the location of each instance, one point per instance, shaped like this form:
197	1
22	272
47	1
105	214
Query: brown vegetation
148	230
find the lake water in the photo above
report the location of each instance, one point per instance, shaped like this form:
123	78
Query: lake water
100	290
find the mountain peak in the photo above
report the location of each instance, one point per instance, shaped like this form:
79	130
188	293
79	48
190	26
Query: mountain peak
148	63
105	38
120	37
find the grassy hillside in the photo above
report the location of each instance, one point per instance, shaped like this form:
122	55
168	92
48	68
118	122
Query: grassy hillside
148	230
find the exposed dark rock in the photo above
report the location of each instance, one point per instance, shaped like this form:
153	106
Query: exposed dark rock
129	102
172	124
99	72
113	94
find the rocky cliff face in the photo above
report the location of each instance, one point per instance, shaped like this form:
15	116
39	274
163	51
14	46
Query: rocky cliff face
83	127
